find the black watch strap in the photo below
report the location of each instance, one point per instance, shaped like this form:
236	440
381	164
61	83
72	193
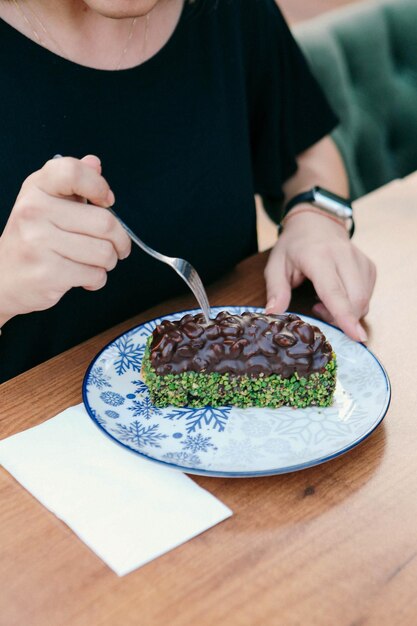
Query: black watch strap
309	197
300	198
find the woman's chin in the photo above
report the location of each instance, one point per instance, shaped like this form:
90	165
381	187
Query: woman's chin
121	9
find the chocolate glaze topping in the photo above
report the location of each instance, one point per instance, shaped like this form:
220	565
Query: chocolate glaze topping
250	343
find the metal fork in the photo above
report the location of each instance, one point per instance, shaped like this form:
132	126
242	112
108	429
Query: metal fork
181	266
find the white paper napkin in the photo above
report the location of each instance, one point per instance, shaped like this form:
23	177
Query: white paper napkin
126	509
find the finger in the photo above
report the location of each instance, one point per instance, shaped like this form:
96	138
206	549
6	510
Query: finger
368	269
332	294
84	249
92	161
89	220
356	283
323	313
71	274
320	310
68	176
278	288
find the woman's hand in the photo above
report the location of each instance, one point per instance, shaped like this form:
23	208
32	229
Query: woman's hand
312	246
53	241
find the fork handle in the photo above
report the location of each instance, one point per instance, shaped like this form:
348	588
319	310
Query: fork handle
198	291
139	242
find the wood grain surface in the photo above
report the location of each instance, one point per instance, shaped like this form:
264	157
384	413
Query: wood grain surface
334	545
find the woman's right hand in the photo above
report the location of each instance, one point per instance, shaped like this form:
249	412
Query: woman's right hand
53	241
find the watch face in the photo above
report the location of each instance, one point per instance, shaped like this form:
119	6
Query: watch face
332	203
320	192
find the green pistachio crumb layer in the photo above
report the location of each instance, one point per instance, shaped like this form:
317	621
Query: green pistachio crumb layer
198	389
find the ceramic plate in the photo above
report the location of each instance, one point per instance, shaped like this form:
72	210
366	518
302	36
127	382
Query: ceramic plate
229	441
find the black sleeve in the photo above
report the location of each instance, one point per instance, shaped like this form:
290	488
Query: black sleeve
290	111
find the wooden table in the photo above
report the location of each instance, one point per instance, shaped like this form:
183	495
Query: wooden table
335	545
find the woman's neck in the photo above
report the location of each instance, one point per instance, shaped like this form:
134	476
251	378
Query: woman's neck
76	31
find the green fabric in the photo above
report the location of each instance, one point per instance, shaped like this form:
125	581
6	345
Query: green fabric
365	58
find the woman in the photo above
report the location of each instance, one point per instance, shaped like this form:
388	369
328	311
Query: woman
191	108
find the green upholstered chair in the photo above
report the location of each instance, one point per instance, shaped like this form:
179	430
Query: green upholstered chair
365	57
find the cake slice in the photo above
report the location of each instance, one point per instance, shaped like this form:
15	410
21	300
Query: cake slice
243	360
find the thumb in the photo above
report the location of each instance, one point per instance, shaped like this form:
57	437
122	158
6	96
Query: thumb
92	161
278	288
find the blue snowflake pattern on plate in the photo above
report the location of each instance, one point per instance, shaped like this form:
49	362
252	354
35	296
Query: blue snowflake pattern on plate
112	398
99	378
100	420
197	443
140	388
140	435
182	458
126	355
144	408
228	441
207	416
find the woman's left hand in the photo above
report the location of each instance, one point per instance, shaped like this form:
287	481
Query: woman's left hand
315	247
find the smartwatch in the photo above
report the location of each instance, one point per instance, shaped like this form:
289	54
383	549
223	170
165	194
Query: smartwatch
329	202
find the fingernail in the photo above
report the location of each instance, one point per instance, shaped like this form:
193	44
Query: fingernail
125	255
110	198
270	304
361	333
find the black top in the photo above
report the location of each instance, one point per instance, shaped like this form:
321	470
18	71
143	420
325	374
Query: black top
186	139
